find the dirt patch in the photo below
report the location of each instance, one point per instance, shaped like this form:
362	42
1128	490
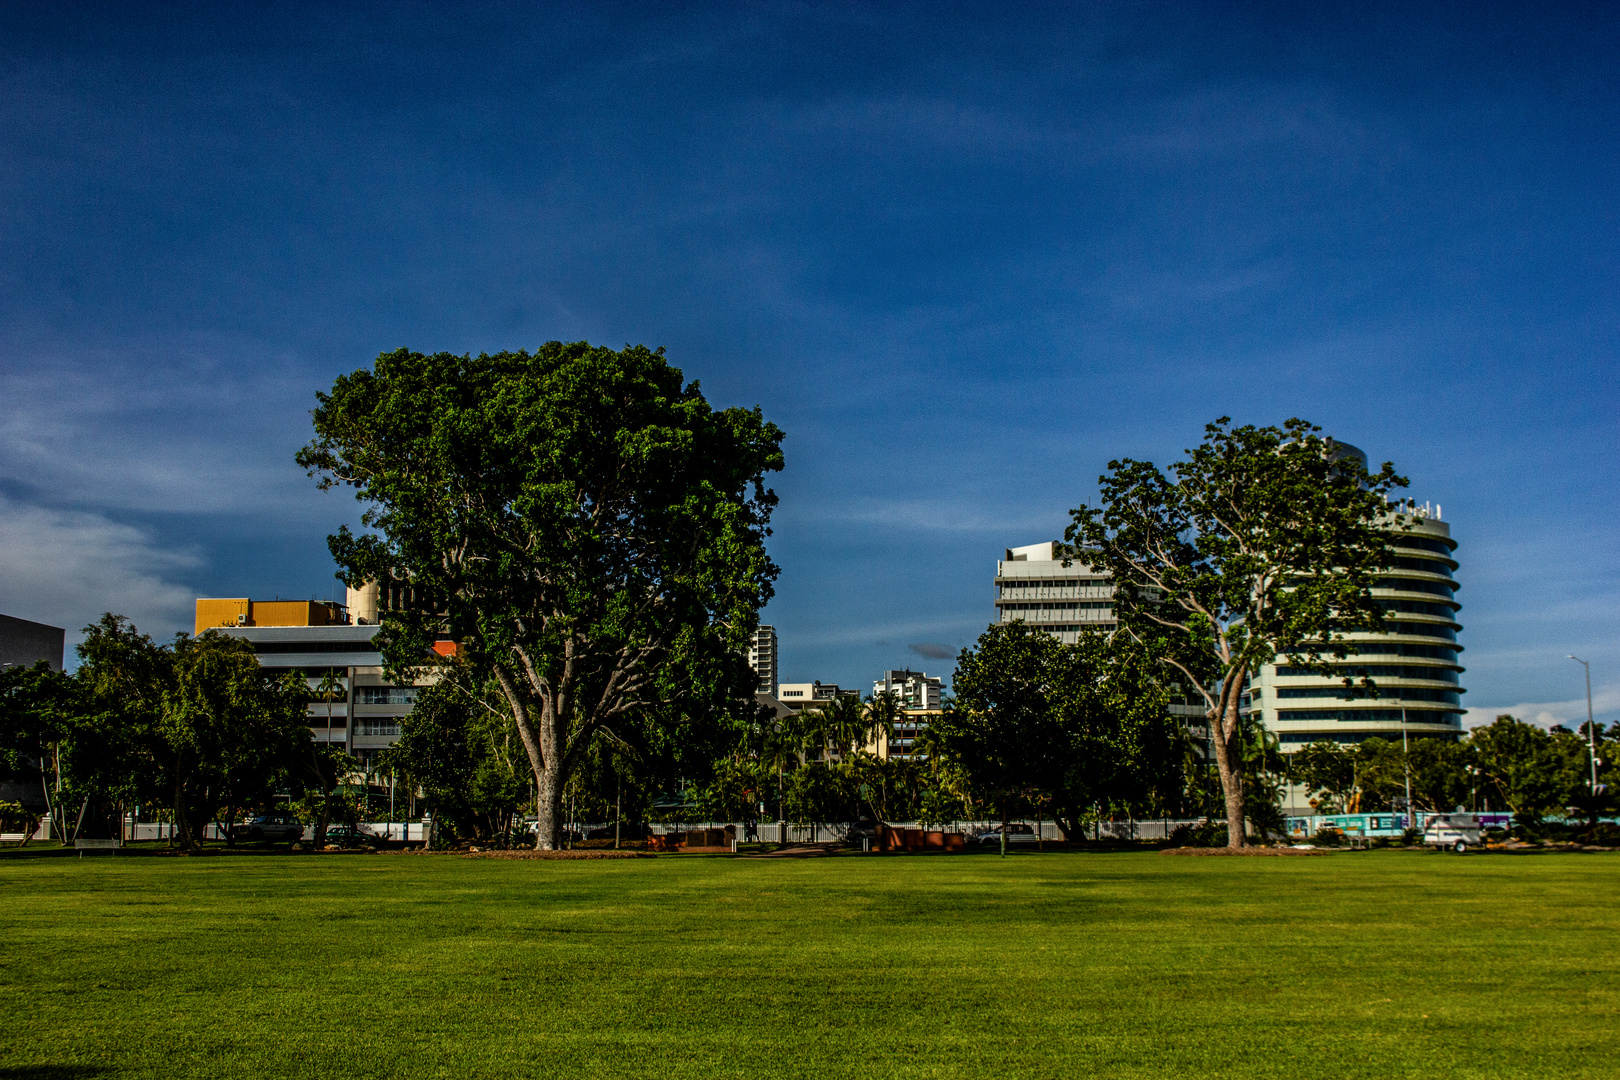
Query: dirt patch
1238	851
575	854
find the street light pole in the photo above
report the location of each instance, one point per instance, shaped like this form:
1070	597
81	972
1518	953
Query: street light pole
1591	728
1406	760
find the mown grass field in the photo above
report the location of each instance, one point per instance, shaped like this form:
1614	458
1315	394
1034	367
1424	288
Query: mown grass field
1379	964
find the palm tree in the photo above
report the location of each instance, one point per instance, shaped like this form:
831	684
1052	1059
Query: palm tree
845	724
882	713
328	690
778	751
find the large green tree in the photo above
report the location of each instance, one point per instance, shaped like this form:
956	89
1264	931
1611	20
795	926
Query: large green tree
576	518
1078	726
1521	764
196	724
1263	541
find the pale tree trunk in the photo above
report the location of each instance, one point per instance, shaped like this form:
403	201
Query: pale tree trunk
1226	740
548	806
541	744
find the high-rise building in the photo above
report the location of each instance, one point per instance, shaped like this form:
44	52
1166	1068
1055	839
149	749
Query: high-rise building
921	698
1414	663
359	708
1032	584
762	658
24	643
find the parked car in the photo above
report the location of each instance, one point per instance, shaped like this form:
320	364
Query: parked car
272	827
867	829
1018	832
347	836
1458	832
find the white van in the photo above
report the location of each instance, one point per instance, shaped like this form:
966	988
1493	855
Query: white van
1458	832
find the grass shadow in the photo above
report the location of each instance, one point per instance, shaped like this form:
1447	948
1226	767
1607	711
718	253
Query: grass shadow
52	1072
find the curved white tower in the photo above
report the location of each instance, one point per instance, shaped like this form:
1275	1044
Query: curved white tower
1414	664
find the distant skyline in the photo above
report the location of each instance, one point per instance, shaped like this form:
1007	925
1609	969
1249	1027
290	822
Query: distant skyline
963	254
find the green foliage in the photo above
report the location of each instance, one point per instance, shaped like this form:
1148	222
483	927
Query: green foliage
1265	542
36	704
1533	774
14	817
580	520
461	747
197	725
1327	772
1081	725
818	793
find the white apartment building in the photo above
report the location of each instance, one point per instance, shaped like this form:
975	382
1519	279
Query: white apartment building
1032	584
762	658
913	689
810	695
921	697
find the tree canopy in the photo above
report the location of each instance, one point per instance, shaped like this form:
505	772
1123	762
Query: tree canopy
1078	726
579	520
1263	541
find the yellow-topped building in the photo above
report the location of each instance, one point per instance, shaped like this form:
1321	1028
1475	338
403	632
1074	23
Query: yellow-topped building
214	613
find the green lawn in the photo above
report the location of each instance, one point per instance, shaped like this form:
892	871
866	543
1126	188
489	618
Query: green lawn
1378	964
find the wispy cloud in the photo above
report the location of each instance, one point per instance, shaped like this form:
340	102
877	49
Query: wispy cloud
1605	699
68	567
873	633
954	517
931	650
182	427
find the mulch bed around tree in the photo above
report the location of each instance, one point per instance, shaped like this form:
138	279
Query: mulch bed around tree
1239	851
575	854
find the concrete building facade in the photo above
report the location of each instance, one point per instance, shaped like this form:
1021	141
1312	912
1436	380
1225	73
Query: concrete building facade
24	643
913	689
921	698
1032	584
1415	665
810	695
762	658
364	712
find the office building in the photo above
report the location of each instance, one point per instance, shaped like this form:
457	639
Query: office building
1414	663
363	712
762	658
24	643
1032	584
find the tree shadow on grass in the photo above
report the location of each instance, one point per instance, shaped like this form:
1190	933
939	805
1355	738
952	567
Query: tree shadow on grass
52	1072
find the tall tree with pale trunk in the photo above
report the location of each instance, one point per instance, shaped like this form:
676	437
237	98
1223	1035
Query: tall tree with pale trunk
1264	541
581	521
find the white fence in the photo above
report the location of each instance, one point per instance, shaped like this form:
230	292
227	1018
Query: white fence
780	833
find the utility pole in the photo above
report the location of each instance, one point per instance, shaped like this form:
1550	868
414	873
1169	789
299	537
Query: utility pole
1591	730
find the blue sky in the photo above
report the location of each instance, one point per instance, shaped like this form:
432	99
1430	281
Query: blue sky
963	254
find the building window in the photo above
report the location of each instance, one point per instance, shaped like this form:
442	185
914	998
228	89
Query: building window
385	695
